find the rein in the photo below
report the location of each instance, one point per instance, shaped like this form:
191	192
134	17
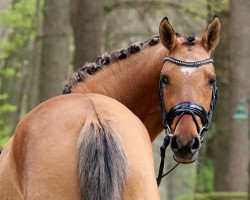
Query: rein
184	108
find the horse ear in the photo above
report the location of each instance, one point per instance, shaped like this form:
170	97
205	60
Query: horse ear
211	36
167	34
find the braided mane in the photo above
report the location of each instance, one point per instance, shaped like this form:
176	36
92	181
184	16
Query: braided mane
105	60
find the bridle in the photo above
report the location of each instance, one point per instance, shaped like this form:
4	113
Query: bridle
190	108
184	108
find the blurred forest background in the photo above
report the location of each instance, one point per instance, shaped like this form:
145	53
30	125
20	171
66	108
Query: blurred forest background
43	41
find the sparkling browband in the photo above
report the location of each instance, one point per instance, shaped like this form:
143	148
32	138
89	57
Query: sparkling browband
188	64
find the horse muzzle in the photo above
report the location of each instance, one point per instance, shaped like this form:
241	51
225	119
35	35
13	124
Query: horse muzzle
185	153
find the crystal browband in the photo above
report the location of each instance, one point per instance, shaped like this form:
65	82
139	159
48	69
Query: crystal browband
188	64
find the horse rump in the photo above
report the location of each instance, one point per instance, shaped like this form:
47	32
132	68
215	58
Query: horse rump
101	162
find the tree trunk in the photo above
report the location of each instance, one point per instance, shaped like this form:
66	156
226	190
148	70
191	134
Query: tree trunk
221	115
55	53
86	20
239	91
35	62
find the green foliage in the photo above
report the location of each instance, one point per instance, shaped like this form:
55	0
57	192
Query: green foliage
7	72
205	177
4	108
221	196
220	5
17	22
19	15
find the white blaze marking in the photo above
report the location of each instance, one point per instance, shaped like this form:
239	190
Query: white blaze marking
188	70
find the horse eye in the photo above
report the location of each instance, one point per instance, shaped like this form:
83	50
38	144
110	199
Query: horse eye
165	79
211	81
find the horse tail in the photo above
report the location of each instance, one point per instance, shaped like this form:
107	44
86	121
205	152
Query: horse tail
101	162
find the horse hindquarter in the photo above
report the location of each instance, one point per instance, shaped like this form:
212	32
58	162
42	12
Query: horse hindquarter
97	146
10	187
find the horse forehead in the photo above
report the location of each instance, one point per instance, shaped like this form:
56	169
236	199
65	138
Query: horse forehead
188	71
193	55
183	75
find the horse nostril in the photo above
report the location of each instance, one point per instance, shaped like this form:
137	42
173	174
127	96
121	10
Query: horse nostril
175	144
195	145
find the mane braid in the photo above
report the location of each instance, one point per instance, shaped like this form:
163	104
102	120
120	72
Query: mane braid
105	60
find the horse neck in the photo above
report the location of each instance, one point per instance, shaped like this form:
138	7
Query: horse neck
133	82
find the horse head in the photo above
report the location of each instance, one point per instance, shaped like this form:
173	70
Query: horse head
188	87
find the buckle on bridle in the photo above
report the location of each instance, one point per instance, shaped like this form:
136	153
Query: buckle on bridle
168	130
202	133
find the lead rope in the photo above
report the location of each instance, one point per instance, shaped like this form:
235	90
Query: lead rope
163	153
